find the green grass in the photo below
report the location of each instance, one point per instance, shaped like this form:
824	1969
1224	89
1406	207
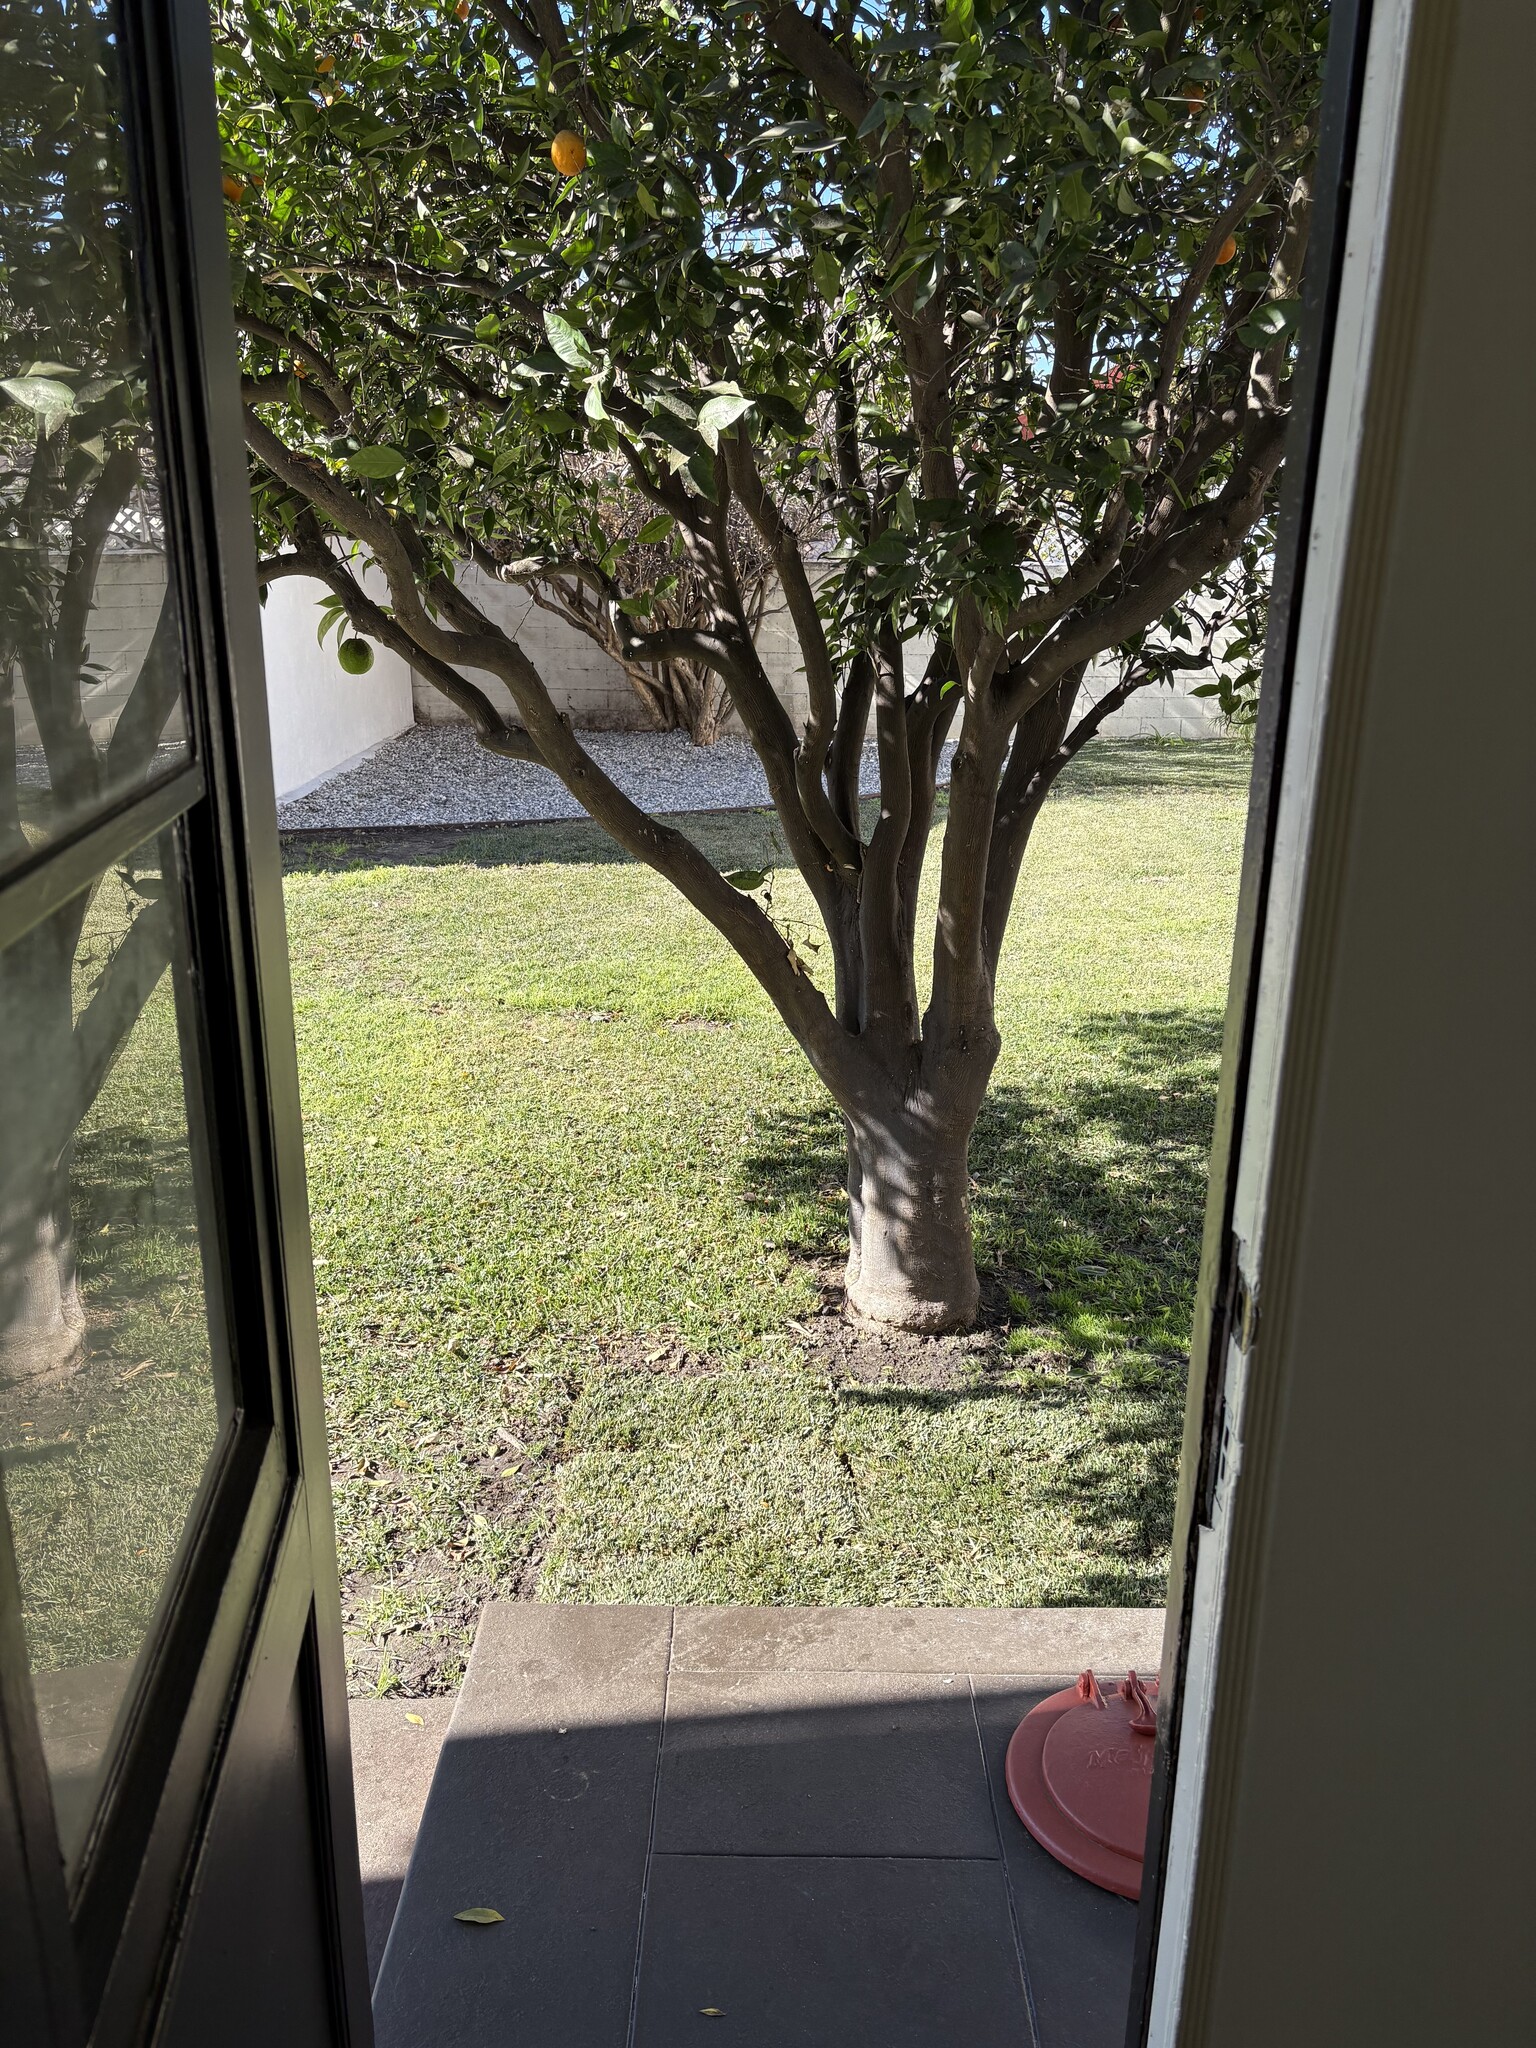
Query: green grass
102	1466
574	1188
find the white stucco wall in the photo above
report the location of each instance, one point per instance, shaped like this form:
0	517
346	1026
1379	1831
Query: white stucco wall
322	718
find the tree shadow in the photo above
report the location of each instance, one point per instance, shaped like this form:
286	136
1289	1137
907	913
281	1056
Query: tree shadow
1088	1205
728	838
1089	1197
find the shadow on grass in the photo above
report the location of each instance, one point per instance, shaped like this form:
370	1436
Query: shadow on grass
1102	1182
729	838
1088	1204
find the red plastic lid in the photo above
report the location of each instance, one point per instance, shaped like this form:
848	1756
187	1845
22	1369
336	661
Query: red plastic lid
1079	1774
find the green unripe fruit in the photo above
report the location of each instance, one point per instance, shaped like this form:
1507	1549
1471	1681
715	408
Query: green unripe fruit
355	656
437	418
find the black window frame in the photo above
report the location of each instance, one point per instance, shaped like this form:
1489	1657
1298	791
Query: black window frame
98	1948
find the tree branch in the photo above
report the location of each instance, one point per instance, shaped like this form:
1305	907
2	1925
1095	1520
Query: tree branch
739	920
1183	309
319	367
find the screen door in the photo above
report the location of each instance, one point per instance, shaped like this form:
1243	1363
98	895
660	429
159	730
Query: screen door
177	1855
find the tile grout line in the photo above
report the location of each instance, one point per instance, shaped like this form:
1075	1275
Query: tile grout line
1002	1851
816	1856
650	1839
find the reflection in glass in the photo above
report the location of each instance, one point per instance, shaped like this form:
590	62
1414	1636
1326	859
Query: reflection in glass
110	1395
89	659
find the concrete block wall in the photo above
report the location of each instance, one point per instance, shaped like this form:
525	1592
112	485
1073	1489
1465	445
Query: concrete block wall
591	689
586	684
322	719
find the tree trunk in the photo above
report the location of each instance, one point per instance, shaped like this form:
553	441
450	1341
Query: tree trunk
911	1260
42	1322
42	1325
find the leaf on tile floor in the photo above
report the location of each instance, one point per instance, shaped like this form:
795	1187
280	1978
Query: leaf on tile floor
479	1916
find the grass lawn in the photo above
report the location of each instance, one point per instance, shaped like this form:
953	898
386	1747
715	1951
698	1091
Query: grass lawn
102	1464
577	1197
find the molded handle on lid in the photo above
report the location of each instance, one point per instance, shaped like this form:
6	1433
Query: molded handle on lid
1139	1700
1088	1690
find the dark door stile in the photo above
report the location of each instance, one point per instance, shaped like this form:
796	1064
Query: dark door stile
226	1807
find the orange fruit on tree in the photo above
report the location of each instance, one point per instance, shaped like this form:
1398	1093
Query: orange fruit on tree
1227	250
462	10
568	153
1194	98
234	191
325	66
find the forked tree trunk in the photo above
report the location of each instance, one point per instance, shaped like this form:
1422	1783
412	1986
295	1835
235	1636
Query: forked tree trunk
911	1260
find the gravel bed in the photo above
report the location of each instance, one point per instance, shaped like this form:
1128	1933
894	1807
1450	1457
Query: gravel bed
440	775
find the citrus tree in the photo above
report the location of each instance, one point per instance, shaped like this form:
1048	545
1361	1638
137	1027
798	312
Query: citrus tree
979	318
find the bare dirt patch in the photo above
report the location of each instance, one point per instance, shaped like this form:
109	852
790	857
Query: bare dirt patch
846	1347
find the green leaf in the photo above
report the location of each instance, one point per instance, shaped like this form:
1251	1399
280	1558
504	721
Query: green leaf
717	414
1269	322
592	404
784	414
976	146
655	529
46	396
480	1916
376	462
1072	197
488	328
568	343
746	879
701	467
828	274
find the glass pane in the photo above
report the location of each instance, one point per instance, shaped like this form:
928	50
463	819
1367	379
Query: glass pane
90	669
111	1393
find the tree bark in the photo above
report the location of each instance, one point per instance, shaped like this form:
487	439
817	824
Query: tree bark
42	1323
911	1260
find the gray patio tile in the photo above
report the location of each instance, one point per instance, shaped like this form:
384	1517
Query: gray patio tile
541	1808
392	1764
836	1952
1035	1639
1077	1939
823	1763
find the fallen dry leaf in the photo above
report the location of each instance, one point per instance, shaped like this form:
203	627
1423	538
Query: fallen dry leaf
712	2012
416	1720
479	1916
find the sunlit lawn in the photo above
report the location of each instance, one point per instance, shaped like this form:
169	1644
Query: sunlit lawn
574	1190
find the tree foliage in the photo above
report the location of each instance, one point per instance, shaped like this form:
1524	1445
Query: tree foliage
977	319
